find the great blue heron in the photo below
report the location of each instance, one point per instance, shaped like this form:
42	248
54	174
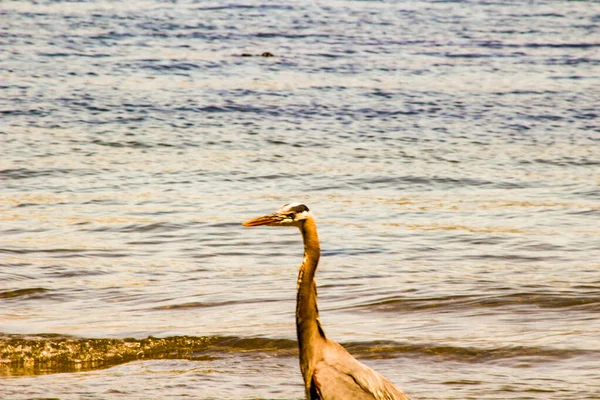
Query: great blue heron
329	371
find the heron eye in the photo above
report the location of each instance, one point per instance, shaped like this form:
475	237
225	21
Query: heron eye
291	215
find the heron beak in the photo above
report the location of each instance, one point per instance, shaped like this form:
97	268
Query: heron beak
265	220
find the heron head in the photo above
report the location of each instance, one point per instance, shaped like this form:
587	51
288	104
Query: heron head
292	214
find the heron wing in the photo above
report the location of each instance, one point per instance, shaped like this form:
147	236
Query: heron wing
340	376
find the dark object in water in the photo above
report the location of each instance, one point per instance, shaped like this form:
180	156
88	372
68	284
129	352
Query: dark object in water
264	54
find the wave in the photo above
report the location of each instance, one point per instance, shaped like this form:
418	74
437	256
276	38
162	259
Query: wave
53	353
27	173
589	303
26	292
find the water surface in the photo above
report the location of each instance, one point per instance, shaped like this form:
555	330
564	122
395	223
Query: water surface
449	150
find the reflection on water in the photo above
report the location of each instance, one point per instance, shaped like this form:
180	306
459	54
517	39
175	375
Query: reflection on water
450	155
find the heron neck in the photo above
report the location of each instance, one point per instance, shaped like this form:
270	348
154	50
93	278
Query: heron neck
307	314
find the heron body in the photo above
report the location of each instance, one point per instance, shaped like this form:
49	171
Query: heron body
329	371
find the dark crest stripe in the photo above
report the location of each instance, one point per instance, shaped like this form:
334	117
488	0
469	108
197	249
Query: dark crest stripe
299	208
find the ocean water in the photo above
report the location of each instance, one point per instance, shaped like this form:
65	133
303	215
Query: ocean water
450	151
